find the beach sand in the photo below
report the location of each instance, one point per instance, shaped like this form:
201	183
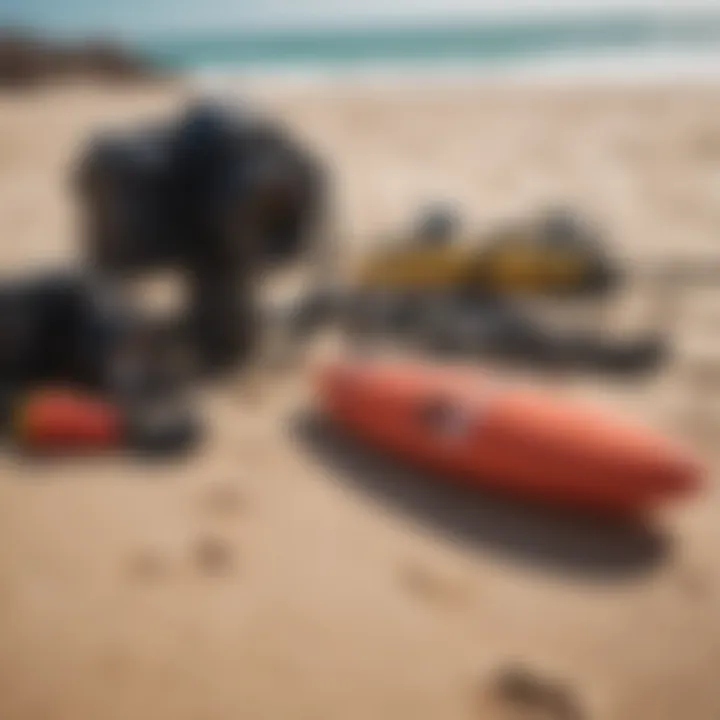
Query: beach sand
280	574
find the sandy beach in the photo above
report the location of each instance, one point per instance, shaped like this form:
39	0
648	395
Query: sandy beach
281	574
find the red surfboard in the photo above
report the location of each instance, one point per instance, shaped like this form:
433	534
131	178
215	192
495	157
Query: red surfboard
467	428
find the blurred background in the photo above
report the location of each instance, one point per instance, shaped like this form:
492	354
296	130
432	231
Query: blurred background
277	571
312	37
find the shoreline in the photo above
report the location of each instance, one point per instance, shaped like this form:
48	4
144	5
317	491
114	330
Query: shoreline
618	70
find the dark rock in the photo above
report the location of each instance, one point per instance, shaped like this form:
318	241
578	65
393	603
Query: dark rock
27	61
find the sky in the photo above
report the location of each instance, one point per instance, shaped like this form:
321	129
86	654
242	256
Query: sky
133	16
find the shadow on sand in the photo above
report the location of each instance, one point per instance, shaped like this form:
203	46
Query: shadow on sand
547	539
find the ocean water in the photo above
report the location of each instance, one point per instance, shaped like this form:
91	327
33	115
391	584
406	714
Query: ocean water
615	45
660	39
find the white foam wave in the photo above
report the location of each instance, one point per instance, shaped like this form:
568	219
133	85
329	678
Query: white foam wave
641	67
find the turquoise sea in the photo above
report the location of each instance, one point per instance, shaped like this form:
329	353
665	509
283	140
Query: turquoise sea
259	38
482	44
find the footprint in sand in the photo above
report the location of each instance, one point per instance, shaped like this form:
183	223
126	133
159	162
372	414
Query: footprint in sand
147	565
213	556
516	692
426	584
222	499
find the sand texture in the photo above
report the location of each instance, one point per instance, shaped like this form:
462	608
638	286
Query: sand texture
281	574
